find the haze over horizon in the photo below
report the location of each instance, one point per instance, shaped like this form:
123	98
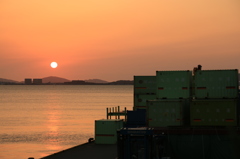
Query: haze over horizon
114	40
55	79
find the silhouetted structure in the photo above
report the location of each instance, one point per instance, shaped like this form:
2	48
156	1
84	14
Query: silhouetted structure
28	81
76	82
122	82
37	81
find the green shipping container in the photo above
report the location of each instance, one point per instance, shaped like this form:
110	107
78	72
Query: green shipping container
216	84
163	113
106	131
174	84
144	84
213	112
140	100
203	146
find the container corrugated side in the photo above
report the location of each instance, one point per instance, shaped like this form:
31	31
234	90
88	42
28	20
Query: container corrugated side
174	84
136	118
144	84
216	84
106	131
137	143
163	113
203	146
213	112
140	100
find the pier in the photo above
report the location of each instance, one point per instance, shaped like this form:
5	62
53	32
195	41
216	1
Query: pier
115	111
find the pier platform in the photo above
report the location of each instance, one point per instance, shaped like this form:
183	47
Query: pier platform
87	151
115	112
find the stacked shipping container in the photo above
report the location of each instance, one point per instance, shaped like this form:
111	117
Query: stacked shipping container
173	84
214	112
144	89
162	113
216	84
172	103
177	98
205	102
215	98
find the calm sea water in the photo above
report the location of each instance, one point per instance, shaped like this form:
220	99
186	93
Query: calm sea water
36	121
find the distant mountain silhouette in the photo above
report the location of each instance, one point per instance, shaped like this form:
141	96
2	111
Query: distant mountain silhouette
54	79
3	80
122	82
95	81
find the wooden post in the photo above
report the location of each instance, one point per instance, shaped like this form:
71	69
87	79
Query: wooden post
125	110
118	112
113	111
110	113
107	113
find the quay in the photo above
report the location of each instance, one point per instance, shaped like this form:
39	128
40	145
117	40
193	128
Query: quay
87	151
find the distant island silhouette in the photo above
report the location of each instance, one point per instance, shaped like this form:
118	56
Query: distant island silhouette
63	81
54	79
3	80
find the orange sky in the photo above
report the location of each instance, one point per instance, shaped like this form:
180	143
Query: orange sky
118	39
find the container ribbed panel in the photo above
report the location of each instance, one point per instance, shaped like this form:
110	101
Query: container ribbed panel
213	112
216	84
174	84
144	84
162	113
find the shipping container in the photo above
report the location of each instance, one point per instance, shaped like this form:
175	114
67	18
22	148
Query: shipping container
106	130
140	143
136	118
203	146
140	100
174	84
145	85
216	84
221	112
163	113
201	142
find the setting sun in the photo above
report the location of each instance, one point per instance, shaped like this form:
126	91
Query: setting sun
53	64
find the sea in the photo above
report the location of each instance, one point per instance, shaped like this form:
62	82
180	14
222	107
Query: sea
39	120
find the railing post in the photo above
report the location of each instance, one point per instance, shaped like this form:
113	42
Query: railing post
107	113
118	112
125	110
113	111
110	113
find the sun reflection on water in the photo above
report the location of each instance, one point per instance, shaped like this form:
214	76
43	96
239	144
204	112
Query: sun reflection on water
53	122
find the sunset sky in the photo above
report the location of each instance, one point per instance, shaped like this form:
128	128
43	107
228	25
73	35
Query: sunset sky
116	39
